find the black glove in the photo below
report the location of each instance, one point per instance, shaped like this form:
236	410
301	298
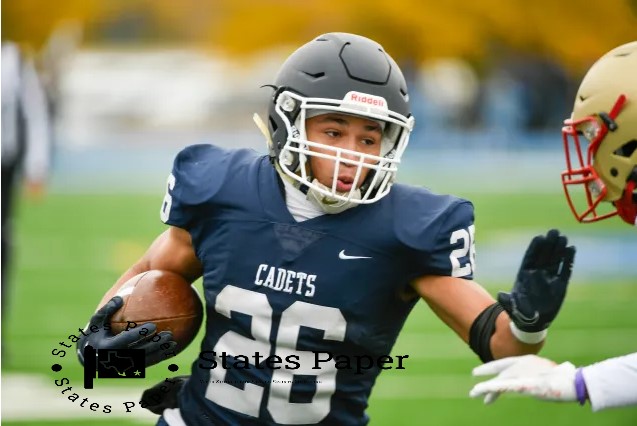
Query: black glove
540	286
103	338
163	395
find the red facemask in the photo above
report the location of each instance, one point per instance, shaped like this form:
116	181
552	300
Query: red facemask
580	171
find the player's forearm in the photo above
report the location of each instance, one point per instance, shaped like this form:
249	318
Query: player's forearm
136	269
171	251
505	344
145	263
612	383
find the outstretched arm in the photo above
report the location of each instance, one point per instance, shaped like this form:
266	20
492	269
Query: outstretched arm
459	302
607	384
517	323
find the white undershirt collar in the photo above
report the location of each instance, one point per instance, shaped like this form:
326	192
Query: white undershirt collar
299	206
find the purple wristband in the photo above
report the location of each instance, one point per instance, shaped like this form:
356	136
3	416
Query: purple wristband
580	387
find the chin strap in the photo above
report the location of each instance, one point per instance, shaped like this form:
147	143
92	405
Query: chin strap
328	204
264	130
626	206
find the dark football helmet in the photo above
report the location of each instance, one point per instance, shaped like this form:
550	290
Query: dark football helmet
347	74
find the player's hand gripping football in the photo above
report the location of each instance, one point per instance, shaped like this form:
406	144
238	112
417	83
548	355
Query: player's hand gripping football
98	334
540	286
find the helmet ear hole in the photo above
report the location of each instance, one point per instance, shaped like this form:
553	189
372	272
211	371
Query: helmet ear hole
614	172
627	149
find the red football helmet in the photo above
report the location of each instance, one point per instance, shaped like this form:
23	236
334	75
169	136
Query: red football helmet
604	117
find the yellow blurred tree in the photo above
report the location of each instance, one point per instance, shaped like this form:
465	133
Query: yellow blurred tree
32	21
574	32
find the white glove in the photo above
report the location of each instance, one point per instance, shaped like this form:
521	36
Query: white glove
526	375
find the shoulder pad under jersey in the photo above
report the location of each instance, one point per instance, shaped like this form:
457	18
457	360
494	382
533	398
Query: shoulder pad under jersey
199	172
439	230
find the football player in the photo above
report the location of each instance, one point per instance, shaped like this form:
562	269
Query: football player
605	115
311	264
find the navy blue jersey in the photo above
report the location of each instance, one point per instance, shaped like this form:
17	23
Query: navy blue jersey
295	310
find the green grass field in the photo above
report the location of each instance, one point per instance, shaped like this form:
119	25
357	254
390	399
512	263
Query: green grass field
71	248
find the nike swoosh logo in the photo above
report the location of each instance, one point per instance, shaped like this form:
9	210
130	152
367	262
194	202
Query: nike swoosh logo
344	256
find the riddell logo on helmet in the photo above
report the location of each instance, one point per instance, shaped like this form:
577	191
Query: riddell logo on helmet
365	99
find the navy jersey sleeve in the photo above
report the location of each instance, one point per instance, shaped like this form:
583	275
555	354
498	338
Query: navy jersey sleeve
438	231
453	253
197	175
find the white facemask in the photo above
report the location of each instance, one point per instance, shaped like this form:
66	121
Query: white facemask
396	129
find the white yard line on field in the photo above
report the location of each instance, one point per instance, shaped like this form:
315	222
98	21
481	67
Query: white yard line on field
35	397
